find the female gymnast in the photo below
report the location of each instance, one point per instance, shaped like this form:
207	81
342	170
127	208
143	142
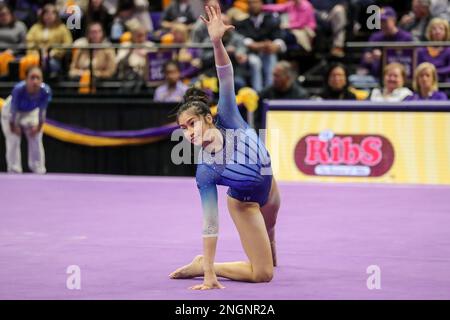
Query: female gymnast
253	198
24	111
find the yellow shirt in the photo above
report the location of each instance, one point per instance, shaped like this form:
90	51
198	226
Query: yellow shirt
43	37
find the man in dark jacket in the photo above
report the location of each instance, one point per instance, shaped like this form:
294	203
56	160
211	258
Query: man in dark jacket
284	87
263	38
234	44
179	11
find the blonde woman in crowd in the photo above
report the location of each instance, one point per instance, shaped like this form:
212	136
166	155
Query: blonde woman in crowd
425	84
438	30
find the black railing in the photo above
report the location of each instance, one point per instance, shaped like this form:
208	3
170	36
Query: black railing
413	45
44	51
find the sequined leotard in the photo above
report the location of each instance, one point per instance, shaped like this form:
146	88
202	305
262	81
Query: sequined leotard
243	164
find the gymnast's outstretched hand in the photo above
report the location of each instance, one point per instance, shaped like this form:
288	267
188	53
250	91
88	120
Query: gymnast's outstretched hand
216	27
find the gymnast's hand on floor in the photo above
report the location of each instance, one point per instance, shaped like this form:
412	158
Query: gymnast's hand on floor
216	27
210	282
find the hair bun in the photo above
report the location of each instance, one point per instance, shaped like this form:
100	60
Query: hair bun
195	94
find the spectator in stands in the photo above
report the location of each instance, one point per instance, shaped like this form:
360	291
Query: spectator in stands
133	62
188	58
46	32
394	90
234	44
24	112
263	38
197	7
130	13
72	13
358	15
97	12
333	14
238	11
285	86
62	5
389	33
199	32
25	10
173	89
301	21
103	60
440	9
337	85
111	6
425	84
437	30
12	31
178	12
422	12
142	14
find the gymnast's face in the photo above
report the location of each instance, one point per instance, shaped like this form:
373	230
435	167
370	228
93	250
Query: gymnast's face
196	128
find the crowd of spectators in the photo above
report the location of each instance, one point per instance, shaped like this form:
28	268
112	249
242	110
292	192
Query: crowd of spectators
266	33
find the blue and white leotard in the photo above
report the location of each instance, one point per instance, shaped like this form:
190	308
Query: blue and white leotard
243	164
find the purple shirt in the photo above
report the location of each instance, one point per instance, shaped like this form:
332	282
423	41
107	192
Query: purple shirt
163	94
436	95
441	62
187	70
22	101
392	54
401	35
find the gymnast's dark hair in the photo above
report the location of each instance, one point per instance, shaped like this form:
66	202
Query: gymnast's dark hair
198	100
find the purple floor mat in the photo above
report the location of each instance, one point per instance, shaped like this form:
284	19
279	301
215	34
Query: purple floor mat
128	233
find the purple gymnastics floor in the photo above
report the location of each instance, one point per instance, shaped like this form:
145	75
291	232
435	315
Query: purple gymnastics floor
127	234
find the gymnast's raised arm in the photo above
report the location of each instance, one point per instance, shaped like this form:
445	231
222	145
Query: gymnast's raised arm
228	112
216	30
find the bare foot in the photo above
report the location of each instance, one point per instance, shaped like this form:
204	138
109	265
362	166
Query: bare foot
192	270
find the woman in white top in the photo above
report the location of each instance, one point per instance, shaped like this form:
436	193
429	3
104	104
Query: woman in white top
394	90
